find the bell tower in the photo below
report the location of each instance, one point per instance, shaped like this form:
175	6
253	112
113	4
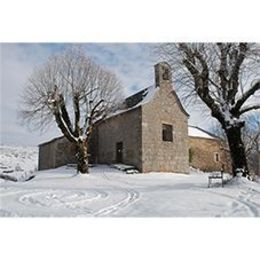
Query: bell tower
163	74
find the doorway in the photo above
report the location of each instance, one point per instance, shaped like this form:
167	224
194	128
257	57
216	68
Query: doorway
119	152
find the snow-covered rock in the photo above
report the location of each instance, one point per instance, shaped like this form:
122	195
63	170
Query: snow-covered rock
18	162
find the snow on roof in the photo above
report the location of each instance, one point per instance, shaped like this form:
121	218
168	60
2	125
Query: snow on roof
195	131
141	97
52	140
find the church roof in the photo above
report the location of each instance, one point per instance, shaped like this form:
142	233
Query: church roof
140	98
135	101
146	95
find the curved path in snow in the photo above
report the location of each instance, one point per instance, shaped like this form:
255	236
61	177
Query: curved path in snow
241	202
92	201
131	197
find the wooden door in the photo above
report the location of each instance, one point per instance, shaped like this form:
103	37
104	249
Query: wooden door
119	152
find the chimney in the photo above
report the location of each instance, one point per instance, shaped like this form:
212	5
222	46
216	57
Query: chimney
162	73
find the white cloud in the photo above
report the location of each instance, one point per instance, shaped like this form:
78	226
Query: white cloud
132	62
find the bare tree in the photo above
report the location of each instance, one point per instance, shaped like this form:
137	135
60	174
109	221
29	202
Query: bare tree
250	137
74	92
224	77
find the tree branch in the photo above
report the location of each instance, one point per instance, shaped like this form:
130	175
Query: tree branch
223	72
250	92
77	114
64	113
201	79
62	125
90	118
61	115
234	77
249	108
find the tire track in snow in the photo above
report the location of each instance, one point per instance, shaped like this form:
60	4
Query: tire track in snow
11	193
247	198
81	208
7	213
77	201
132	196
239	202
62	198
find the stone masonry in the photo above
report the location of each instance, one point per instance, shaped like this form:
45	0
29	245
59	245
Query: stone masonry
165	108
125	128
140	131
208	154
56	153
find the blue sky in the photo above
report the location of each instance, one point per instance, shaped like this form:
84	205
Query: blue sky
132	62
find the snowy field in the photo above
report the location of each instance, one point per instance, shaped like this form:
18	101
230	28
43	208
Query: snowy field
108	192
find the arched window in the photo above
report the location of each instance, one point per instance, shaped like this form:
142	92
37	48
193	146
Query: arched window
166	74
216	157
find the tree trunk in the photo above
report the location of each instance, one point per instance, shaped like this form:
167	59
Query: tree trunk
237	150
82	157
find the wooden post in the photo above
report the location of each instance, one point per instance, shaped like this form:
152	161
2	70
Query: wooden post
222	174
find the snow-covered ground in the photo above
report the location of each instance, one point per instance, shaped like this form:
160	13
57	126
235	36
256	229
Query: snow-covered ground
18	161
107	192
110	192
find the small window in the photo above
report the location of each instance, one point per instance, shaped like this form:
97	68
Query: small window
167	133
216	157
166	74
190	155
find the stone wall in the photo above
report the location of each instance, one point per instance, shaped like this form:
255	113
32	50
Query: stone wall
159	155
203	154
125	128
46	156
56	153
